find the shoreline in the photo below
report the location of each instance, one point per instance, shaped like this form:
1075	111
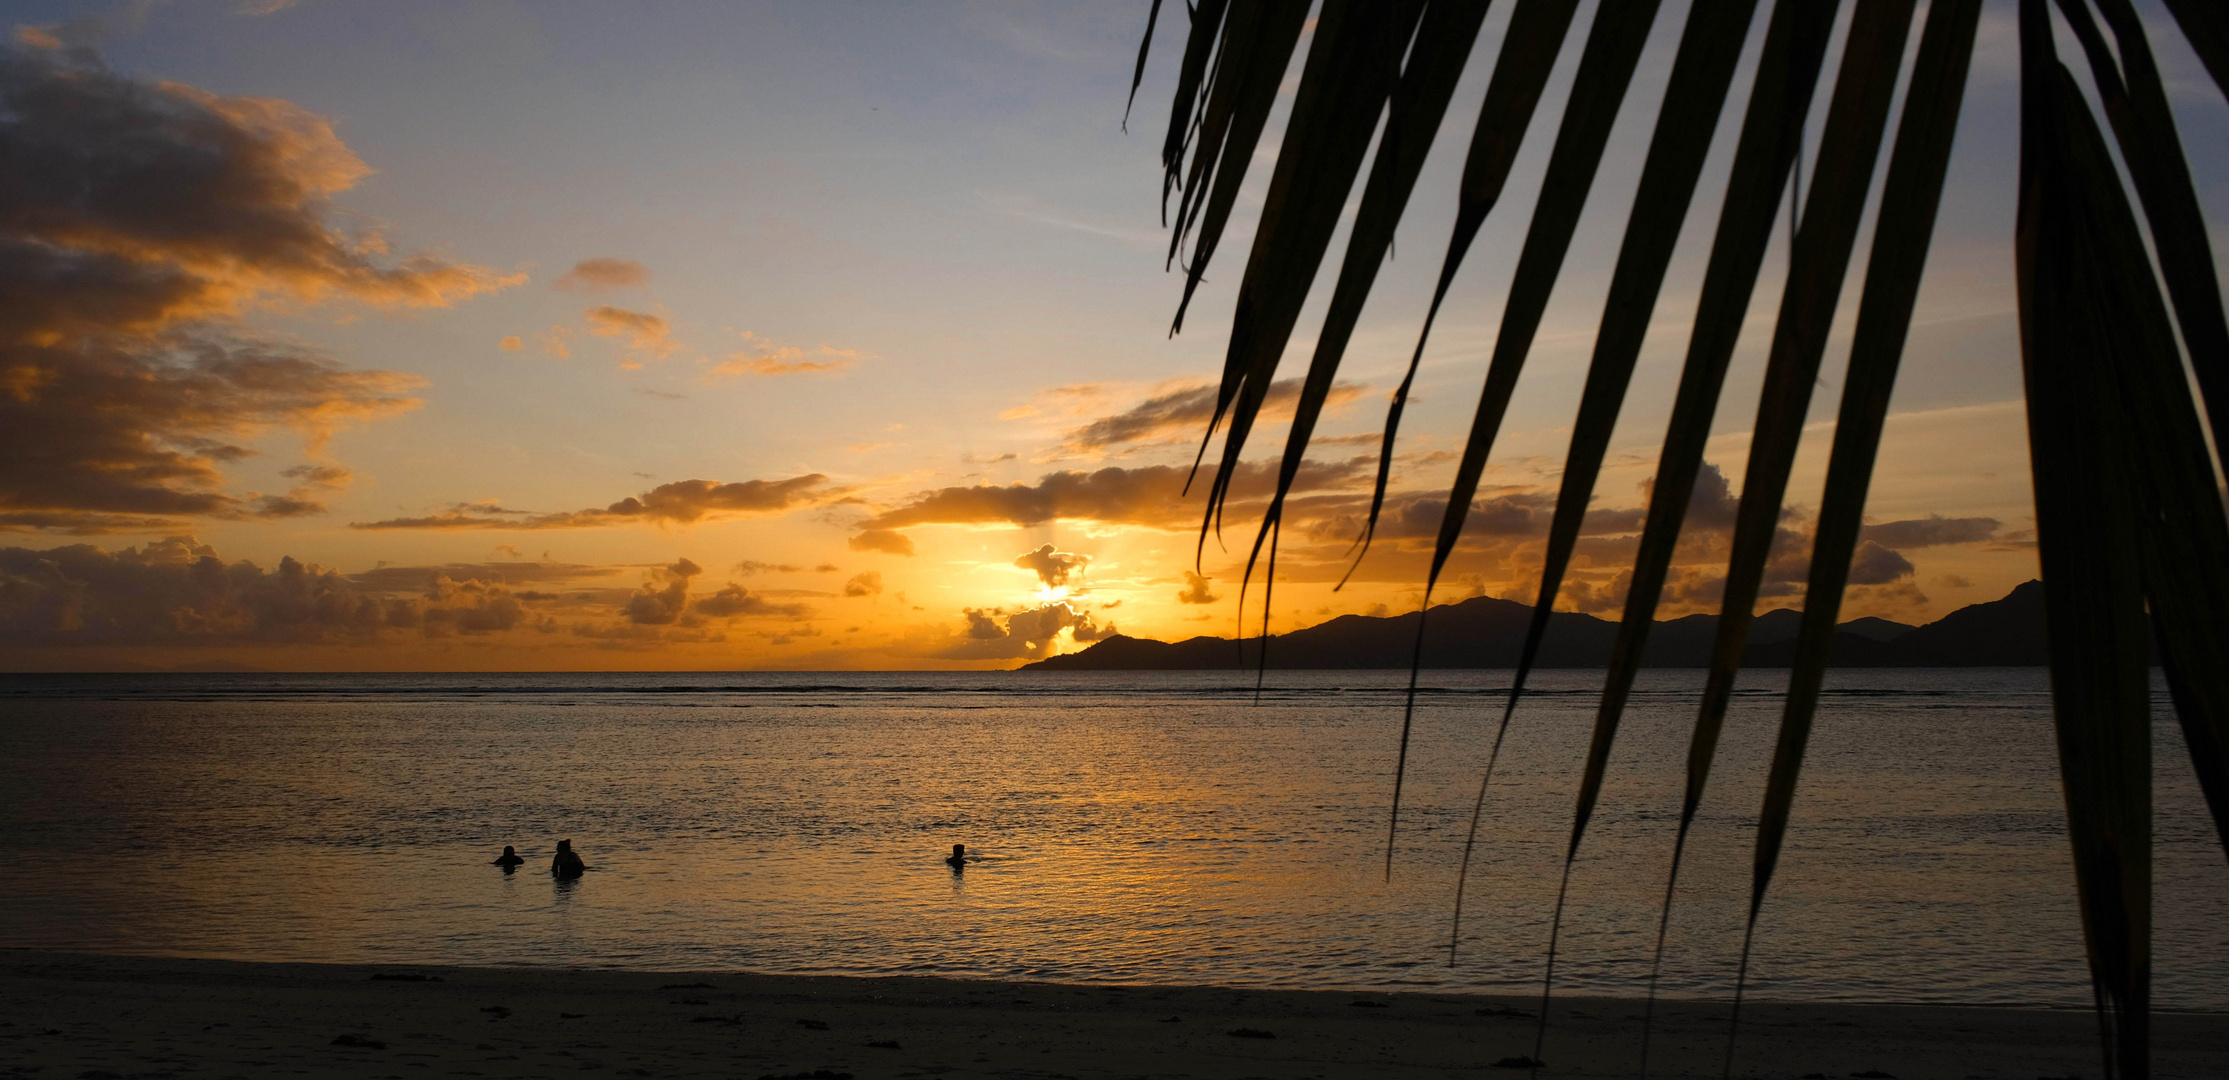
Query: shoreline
88	1015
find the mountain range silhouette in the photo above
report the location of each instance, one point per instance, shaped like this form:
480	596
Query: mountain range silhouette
1483	632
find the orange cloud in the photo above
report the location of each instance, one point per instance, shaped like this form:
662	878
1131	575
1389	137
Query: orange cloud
649	333
604	272
557	341
887	541
683	502
763	357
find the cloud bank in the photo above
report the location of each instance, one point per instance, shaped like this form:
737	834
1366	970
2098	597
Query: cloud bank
683	502
137	220
1182	415
177	591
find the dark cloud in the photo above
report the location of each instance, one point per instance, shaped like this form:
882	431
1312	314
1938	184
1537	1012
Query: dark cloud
1931	531
604	272
1150	495
1195	590
1874	564
993	634
102	439
136	220
887	541
683	502
1417	517
285	506
866	584
399	578
734	601
661	600
325	476
1712	505
1137	496
1183	414
466	607
178	591
1052	567
748	567
1584	593
81	523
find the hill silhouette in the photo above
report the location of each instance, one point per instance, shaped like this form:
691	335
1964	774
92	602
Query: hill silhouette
1483	632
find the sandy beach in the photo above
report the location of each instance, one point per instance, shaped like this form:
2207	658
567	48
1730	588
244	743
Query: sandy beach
84	1016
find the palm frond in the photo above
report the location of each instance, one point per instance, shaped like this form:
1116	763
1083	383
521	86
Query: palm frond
2076	290
2206	25
1856	118
1606	66
1248	70
1529	49
1350	72
2145	130
1909	200
2130	516
1137	78
1444	41
1695	94
1199	46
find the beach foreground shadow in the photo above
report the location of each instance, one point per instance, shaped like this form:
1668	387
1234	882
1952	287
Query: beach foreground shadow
77	1014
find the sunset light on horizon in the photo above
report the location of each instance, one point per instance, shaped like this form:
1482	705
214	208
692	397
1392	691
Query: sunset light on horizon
464	337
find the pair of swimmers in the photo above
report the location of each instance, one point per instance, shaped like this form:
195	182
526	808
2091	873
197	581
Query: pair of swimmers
566	865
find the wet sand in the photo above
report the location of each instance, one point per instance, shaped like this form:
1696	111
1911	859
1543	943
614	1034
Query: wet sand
92	1017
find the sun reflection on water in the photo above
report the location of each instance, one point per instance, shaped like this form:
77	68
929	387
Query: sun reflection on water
1172	832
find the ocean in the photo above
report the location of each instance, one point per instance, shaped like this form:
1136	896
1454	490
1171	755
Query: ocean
1132	828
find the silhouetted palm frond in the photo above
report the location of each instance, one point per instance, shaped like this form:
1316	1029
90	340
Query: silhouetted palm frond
2131	530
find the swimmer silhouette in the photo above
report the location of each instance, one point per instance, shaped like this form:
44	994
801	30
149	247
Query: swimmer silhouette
567	864
958	861
509	860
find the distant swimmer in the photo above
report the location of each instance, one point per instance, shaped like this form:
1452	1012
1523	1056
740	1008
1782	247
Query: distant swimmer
508	860
567	864
958	861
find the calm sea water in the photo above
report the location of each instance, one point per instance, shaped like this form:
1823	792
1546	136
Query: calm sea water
1133	828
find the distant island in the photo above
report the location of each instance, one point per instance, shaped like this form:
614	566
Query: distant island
1487	633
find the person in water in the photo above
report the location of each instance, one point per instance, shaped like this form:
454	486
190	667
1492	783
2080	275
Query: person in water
958	861
567	864
509	860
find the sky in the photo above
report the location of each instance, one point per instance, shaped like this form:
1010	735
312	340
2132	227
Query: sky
499	335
